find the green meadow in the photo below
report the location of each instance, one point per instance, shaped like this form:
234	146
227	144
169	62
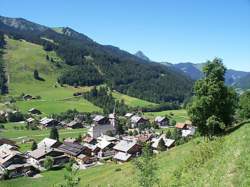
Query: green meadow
22	58
223	168
132	101
177	115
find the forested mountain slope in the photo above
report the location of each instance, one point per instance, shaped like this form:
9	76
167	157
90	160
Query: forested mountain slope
89	63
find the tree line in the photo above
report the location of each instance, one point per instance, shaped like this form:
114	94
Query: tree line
3	78
103	98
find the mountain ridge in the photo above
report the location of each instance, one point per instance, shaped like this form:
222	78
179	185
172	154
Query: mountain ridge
92	63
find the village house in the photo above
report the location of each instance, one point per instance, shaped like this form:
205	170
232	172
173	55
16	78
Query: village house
161	121
168	142
143	138
137	121
181	126
104	150
48	123
48	143
107	138
70	140
129	115
74	125
89	140
101	125
74	149
30	121
126	149
34	111
85	160
13	162
8	142
38	156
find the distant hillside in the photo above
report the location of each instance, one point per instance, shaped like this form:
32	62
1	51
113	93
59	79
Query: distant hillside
89	63
232	77
141	55
243	82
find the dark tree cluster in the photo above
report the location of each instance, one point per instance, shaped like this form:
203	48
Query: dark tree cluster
3	78
103	98
70	115
81	75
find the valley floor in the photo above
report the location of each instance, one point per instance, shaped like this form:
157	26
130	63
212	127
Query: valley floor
227	165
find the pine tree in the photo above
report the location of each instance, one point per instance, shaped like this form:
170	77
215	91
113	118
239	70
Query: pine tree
34	146
54	133
36	74
161	145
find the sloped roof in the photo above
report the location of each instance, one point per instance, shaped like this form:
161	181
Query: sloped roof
29	120
124	145
122	156
103	144
107	138
72	123
129	115
135	119
98	118
73	149
168	142
46	120
180	125
47	142
40	152
160	119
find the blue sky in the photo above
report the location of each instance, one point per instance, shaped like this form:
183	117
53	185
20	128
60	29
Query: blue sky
165	30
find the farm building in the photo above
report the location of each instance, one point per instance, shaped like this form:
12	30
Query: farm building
74	149
74	125
137	121
168	142
48	143
13	162
126	149
48	122
38	156
34	111
161	121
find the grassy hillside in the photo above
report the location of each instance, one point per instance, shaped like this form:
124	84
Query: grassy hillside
177	115
22	58
227	164
132	101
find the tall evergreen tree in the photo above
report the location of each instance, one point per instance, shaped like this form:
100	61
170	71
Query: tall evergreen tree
212	98
34	146
54	133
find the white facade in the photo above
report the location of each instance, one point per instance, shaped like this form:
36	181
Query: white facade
97	130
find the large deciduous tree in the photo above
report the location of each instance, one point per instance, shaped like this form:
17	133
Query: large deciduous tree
147	168
213	106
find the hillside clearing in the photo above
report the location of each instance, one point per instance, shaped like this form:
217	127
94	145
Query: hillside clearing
22	58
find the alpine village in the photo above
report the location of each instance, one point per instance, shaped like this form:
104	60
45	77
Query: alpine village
74	112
